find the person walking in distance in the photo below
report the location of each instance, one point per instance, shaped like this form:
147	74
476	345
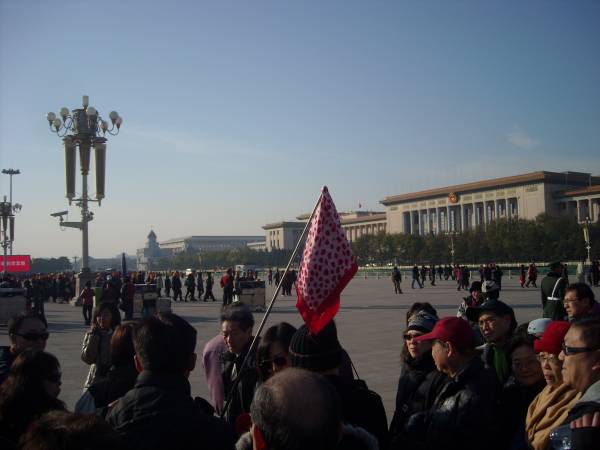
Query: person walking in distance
396	279
415	277
167	285
87	299
176	285
209	287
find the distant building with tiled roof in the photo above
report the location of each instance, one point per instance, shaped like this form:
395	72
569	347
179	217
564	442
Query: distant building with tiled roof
464	206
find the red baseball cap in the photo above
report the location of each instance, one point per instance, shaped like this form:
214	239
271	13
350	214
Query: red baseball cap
451	329
552	338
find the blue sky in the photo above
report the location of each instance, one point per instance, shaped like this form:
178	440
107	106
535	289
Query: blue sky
235	113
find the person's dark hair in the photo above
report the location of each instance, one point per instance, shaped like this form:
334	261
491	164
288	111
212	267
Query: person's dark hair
278	405
164	343
61	430
121	345
240	313
517	341
23	397
17	320
281	333
582	291
420	306
114	312
590	330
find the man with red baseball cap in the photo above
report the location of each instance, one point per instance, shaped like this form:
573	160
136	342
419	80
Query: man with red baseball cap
465	412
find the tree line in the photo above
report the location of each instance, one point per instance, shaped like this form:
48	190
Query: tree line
546	238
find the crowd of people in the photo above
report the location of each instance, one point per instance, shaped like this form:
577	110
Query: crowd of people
472	380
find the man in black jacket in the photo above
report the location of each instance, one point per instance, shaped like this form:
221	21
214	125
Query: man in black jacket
236	327
497	323
322	353
464	414
159	411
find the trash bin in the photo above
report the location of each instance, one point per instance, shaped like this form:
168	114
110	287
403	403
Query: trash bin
12	301
252	294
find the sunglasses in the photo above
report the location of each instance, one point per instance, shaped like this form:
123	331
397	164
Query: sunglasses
54	378
35	336
278	360
408	337
574	350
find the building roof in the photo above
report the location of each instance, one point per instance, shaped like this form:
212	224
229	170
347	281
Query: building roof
343	214
567	178
580	192
152	235
213	238
362	219
284	224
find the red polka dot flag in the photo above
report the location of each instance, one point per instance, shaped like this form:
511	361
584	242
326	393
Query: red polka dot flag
328	265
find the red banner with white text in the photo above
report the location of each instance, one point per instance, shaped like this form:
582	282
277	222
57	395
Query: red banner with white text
16	263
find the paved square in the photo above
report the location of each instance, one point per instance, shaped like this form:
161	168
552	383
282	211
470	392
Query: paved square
370	325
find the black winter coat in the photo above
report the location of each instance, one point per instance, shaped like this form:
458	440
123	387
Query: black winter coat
464	415
514	402
244	393
418	388
159	413
119	380
362	407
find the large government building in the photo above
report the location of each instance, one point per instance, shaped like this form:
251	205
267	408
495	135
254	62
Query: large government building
154	250
463	206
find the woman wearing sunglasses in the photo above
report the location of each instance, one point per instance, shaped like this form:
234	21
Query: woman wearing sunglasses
272	353
420	381
31	389
550	408
25	331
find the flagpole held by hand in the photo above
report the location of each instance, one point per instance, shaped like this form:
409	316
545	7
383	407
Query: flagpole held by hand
272	302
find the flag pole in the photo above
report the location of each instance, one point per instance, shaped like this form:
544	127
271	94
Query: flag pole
270	307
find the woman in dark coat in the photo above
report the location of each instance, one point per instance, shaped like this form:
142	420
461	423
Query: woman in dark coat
420	382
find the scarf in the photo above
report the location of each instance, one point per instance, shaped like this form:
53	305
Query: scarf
547	411
500	363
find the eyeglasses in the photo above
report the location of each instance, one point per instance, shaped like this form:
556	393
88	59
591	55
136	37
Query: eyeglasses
34	336
519	365
574	350
409	337
550	359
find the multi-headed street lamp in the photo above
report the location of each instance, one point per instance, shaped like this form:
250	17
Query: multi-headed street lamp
16	207
85	129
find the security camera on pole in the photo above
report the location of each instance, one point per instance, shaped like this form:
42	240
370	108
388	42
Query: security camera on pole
85	125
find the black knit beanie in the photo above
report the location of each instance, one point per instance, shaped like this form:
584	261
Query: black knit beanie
316	352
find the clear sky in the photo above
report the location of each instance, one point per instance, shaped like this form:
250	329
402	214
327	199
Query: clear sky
236	112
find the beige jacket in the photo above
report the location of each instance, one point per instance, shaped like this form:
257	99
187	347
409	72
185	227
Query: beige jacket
95	351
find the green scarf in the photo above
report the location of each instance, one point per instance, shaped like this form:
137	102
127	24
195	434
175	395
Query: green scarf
500	363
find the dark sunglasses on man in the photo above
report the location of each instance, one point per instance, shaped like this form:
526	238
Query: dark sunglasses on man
568	351
34	336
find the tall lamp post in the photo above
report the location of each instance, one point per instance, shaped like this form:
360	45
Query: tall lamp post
452	247
10	173
85	129
586	237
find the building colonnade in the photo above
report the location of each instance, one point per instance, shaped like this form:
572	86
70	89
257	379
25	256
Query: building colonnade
353	232
458	217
